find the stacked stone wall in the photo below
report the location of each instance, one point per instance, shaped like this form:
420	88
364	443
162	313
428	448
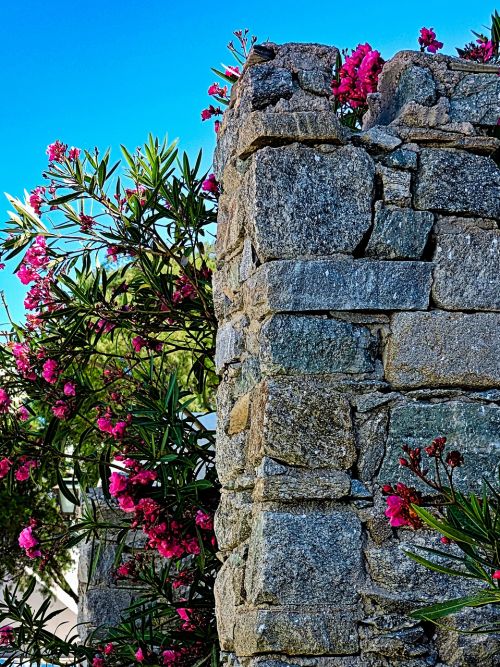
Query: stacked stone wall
358	301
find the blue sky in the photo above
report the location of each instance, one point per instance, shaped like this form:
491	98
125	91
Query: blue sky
101	73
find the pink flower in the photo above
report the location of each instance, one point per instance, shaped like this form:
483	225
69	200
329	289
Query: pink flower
496	574
6	635
86	223
56	151
24	471
74	153
217	126
358	76
191	545
61	410
118	430
138	343
36	255
36	199
170	657
23	413
69	389
21	353
211	111
233	72
481	52
183	613
5	466
118	483
126	503
427	40
204	521
5	401
105	425
170	549
139	655
29	542
109	648
26	274
98	661
394	511
210	184
144	477
217	91
50	371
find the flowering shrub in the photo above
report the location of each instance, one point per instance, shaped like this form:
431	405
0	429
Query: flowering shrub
103	383
484	49
469	525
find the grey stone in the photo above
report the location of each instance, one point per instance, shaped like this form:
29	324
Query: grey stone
298	203
231	532
467	273
103	572
477	99
230	456
396	185
322	630
264	85
302	422
399	233
469	427
315	81
458	182
291	344
343	284
228	592
103	607
416	84
229	345
402	159
371	434
248	260
378	137
278	482
419	115
298	57
444	349
312	558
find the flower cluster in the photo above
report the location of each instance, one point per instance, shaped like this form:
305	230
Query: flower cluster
427	40
57	152
29	541
357	77
399	505
482	51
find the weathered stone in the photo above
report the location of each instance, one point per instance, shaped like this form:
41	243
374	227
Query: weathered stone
467	273
103	571
100	607
228	592
399	233
463	648
458	182
231	533
227	289
264	85
416	84
291	344
396	185
476	99
307	559
298	57
298	203
343	284
402	158
378	137
315	81
230	456
238	418
302	422
444	349
311	632
472	428
371	434
418	115
444	139
248	262
229	345
278	482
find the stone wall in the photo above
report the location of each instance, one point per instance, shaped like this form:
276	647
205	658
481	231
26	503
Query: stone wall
358	300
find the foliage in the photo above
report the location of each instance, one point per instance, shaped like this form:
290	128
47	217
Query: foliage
469	525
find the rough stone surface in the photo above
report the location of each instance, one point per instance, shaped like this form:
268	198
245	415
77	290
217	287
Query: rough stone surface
266	84
471	428
291	344
230	534
343	284
399	233
444	349
467	273
229	344
476	99
396	185
302	423
403	158
458	182
299	203
304	559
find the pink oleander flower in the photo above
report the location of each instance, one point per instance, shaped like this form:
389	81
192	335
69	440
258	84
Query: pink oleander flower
69	389
126	503
2	266
233	72
394	511
98	661
217	126
29	542
23	413
56	151
217	90
138	342
170	657
170	549
5	466
21	353
204	521
191	545
5	401
50	372
496	574
144	477
118	430
104	326
74	153
139	655
481	52
26	274
87	223
358	76
118	484
23	472
61	410
109	648
399	505
206	114
105	425
36	199
6	635
210	185
36	255
427	40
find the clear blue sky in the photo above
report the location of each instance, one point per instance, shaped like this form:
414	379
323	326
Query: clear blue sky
101	73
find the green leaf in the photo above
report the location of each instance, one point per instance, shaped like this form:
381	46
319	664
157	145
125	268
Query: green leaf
441	609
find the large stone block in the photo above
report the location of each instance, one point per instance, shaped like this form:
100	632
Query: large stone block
229	344
471	428
443	349
467	273
233	519
302	422
292	344
322	630
399	233
340	284
476	99
458	182
299	203
304	559
264	85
